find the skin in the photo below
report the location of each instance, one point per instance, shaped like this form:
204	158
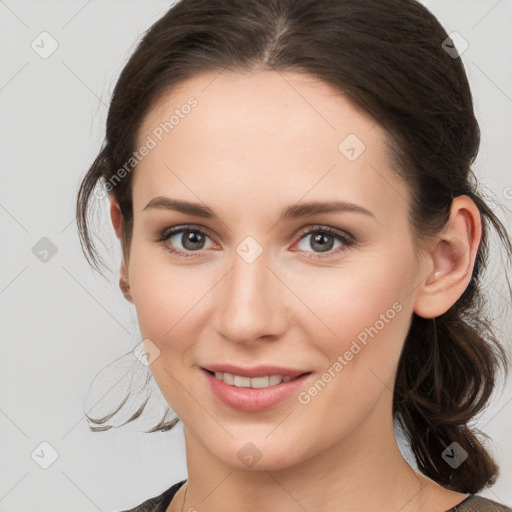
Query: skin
255	144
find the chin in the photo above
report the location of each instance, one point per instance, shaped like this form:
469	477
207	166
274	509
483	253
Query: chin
260	455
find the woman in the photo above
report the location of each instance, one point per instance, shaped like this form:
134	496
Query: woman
302	238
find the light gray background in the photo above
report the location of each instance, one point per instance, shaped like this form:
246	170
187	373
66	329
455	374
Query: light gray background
61	324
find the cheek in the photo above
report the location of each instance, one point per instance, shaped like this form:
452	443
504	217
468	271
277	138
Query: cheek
346	302
362	316
167	297
371	318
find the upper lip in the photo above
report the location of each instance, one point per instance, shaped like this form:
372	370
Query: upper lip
255	371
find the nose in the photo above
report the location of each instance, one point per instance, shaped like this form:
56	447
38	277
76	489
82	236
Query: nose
251	303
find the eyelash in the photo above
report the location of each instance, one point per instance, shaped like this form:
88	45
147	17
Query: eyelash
346	239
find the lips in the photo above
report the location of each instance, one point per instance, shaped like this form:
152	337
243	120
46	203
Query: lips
251	399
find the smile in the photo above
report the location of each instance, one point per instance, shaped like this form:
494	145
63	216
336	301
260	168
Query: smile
254	394
254	382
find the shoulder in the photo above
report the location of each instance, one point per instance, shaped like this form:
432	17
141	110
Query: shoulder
474	503
158	503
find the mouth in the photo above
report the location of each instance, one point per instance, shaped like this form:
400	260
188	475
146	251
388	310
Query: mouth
264	381
254	394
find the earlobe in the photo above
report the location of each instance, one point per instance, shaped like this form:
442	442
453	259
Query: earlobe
451	260
124	282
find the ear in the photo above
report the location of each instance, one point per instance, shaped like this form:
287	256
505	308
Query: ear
116	215
117	223
451	259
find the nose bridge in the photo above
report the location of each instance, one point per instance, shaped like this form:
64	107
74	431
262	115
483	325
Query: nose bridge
250	305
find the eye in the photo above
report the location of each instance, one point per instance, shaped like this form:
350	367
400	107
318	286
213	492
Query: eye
193	239
323	238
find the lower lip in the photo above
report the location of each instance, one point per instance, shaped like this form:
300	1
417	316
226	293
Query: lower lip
254	399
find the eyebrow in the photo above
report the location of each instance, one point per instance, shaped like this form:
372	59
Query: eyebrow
291	212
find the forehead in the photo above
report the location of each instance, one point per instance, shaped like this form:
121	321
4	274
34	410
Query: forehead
264	132
260	104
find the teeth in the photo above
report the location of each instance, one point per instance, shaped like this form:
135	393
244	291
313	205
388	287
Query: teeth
248	382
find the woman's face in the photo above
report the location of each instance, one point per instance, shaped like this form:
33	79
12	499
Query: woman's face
263	280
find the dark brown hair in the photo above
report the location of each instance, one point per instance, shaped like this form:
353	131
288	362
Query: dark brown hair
388	58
